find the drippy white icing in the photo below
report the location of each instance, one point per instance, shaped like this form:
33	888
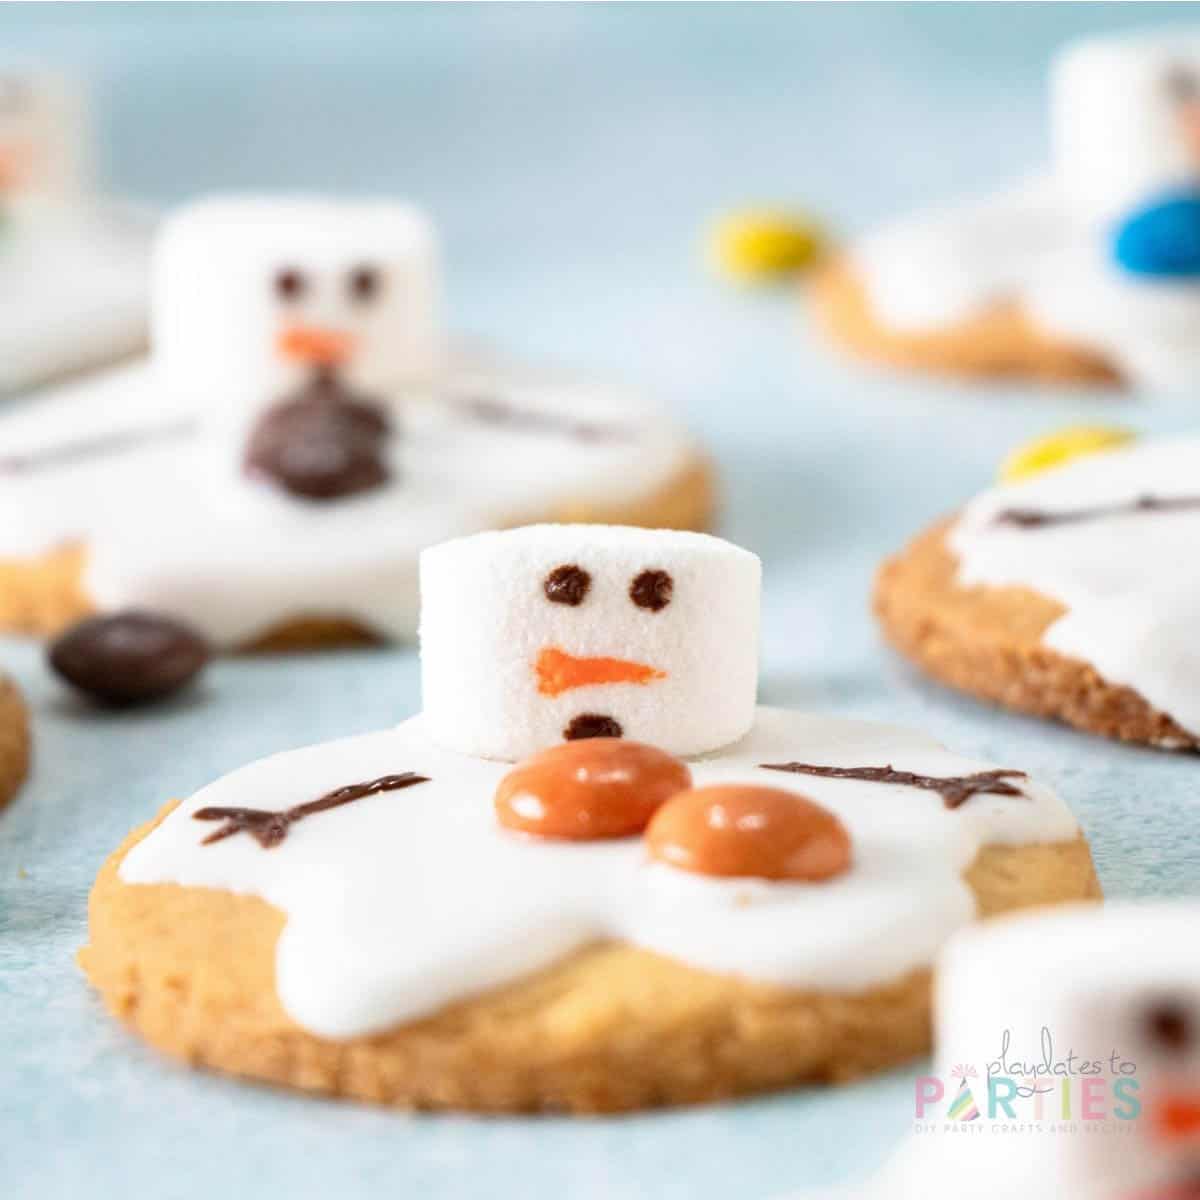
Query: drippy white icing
406	901
1130	583
171	524
1024	247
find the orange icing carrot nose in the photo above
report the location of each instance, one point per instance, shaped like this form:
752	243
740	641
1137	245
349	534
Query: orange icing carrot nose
558	672
1189	126
1178	1118
310	344
13	161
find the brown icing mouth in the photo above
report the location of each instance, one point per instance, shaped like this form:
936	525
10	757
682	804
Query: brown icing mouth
1039	518
269	828
955	790
592	725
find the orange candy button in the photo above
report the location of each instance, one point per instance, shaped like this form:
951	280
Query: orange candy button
597	788
741	830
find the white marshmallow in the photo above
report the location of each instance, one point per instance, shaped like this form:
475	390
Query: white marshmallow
233	278
41	140
1044	1001
1116	126
486	624
1090	979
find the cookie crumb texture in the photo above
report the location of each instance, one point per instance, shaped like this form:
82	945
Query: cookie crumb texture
14	741
609	1029
997	344
987	641
43	596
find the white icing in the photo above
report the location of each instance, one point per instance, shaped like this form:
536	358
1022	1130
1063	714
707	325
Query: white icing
1045	244
404	902
171	524
1130	583
1087	975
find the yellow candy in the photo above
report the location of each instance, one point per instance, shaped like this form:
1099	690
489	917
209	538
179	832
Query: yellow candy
764	245
1055	449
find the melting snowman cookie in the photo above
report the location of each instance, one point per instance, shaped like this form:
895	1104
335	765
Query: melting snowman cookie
1085	272
300	434
1095	1071
503	916
1069	593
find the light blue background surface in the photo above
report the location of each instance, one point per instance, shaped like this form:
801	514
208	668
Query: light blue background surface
572	156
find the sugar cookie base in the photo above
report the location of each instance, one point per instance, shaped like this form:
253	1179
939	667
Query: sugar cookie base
44	595
987	641
999	343
15	746
609	1029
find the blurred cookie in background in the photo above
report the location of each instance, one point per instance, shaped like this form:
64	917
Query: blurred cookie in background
302	430
1088	271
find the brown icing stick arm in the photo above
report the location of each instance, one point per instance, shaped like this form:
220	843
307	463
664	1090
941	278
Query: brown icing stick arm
270	828
955	790
1038	518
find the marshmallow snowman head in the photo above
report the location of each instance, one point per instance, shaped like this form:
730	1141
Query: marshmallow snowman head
1113	989
254	296
553	632
1154	1023
40	140
1126	121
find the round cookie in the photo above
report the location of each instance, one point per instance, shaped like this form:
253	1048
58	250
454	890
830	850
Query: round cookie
1084	273
358	918
611	1027
1066	595
15	747
300	433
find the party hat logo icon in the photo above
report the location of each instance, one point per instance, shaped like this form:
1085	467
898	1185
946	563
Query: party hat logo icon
963	1107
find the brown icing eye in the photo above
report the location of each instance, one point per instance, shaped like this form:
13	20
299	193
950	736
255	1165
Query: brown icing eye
1168	1026
1183	86
364	284
652	590
290	284
567	584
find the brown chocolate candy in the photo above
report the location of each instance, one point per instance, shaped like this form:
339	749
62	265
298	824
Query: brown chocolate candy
322	444
601	788
129	657
747	831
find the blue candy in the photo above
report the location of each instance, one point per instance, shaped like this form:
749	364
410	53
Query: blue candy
1162	239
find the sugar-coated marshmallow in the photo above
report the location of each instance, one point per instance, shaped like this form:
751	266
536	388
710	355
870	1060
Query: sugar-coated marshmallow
252	295
1126	120
552	632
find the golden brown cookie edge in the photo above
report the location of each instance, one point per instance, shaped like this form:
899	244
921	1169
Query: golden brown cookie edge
15	740
612	1028
987	641
1001	343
